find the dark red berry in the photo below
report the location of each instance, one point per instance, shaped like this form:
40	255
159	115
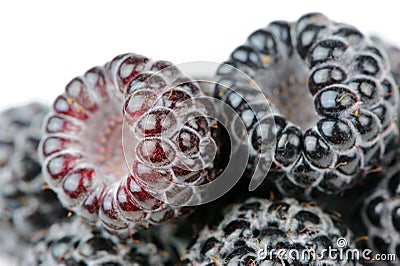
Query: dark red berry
123	138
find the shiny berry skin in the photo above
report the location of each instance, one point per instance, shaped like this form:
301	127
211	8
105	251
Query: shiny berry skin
126	144
332	90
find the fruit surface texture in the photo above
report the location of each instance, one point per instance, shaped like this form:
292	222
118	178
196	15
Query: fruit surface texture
127	143
333	97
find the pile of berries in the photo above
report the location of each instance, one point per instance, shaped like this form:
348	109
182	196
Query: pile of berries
121	169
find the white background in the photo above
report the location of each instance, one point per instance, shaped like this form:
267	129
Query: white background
44	44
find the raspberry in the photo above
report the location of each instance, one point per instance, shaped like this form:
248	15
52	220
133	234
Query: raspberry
259	223
381	214
76	243
349	83
127	142
26	207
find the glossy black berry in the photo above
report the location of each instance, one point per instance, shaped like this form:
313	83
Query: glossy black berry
332	95
288	146
325	75
337	133
334	101
316	150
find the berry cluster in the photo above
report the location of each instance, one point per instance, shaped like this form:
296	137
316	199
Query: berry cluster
342	73
133	143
